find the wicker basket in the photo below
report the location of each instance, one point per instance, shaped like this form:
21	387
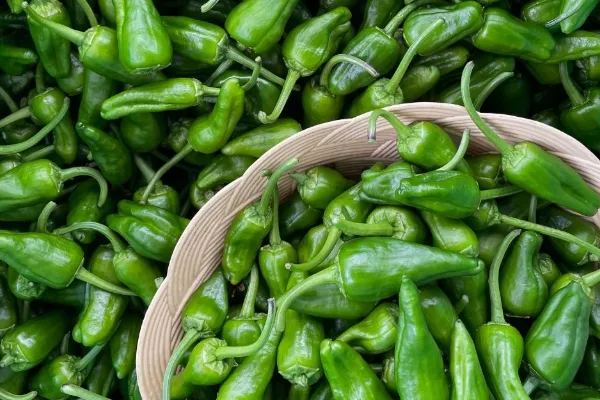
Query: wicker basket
344	144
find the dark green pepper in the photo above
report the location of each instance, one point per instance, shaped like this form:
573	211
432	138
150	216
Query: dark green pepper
8	308
487	170
418	80
17	57
512	97
72	84
467	377
319	185
379	12
123	345
143	132
162	196
22	288
96	89
102	375
259	140
177	140
376	333
71	296
446	60
440	315
541	12
296	216
589	371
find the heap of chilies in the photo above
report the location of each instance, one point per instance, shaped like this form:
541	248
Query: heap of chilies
439	276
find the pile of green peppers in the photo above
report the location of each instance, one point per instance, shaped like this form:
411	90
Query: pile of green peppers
444	275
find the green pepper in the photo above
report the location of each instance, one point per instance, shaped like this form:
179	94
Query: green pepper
14	383
451	234
162	196
109	153
467	377
123	345
541	12
522	287
251	380
529	167
102	375
312	243
296	216
202	317
217	13
22	288
71	296
18	85
580	115
498	344
29	343
103	311
259	140
72	84
143	132
575	46
17	57
247	231
440	314
574	392
144	45
98	50
151	231
446	60
418	365
589	371
376	333
308	47
55	380
8	308
487	170
96	89
318	186
418	80
177	140
573	14
512	97
259	24
379	186
379	12
591	67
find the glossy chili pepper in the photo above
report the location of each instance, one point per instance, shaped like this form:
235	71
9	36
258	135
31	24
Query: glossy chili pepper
571	253
17	57
71	296
418	365
580	116
447	60
541	12
247	231
22	288
529	167
144	44
96	89
8	308
467	377
102	375
13	382
52	379
151	231
162	196
301	13
312	243
379	12
123	345
259	140
348	374
319	185
451	234
512	97
143	132
589	371
595	315
546	74
110	153
308	47
417	81
440	314
103	311
522	287
573	15
202	317
177	140
575	46
376	333
259	24
487	170
72	84
98	50
296	216
498	344
29	343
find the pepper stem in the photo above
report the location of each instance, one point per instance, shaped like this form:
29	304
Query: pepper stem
333	236
490	87
89	13
245	351
237	56
465	87
64	344
16	116
362	229
573	93
399	126
275	236
532	209
190	337
81	393
6	395
272	184
12	106
563	17
40	85
71	173
401	15
328	275
41	153
144	167
546	230
42	221
104	230
291	79
42	133
460	305
86	276
206	7
497	193
7	360
61	30
254	77
495	299
339	58
531	383
89	357
163	170
224	66
410	54
247	310
592	279
460	153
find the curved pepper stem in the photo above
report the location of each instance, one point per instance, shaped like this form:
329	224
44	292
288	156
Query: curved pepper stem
362	229
410	54
163	170
245	351
401	15
190	337
42	221
71	173
592	279
61	30
465	86
89	13
41	153
89	358
16	116
460	152
40	84
495	299
490	87
86	276
333	236
340	58
104	230
265	200
255	74
573	93
42	133
64	344
6	395
144	167
497	193
224	66
206	7
12	106
328	275
552	23
288	86
531	383
275	236
247	310
400	127
234	54
81	393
